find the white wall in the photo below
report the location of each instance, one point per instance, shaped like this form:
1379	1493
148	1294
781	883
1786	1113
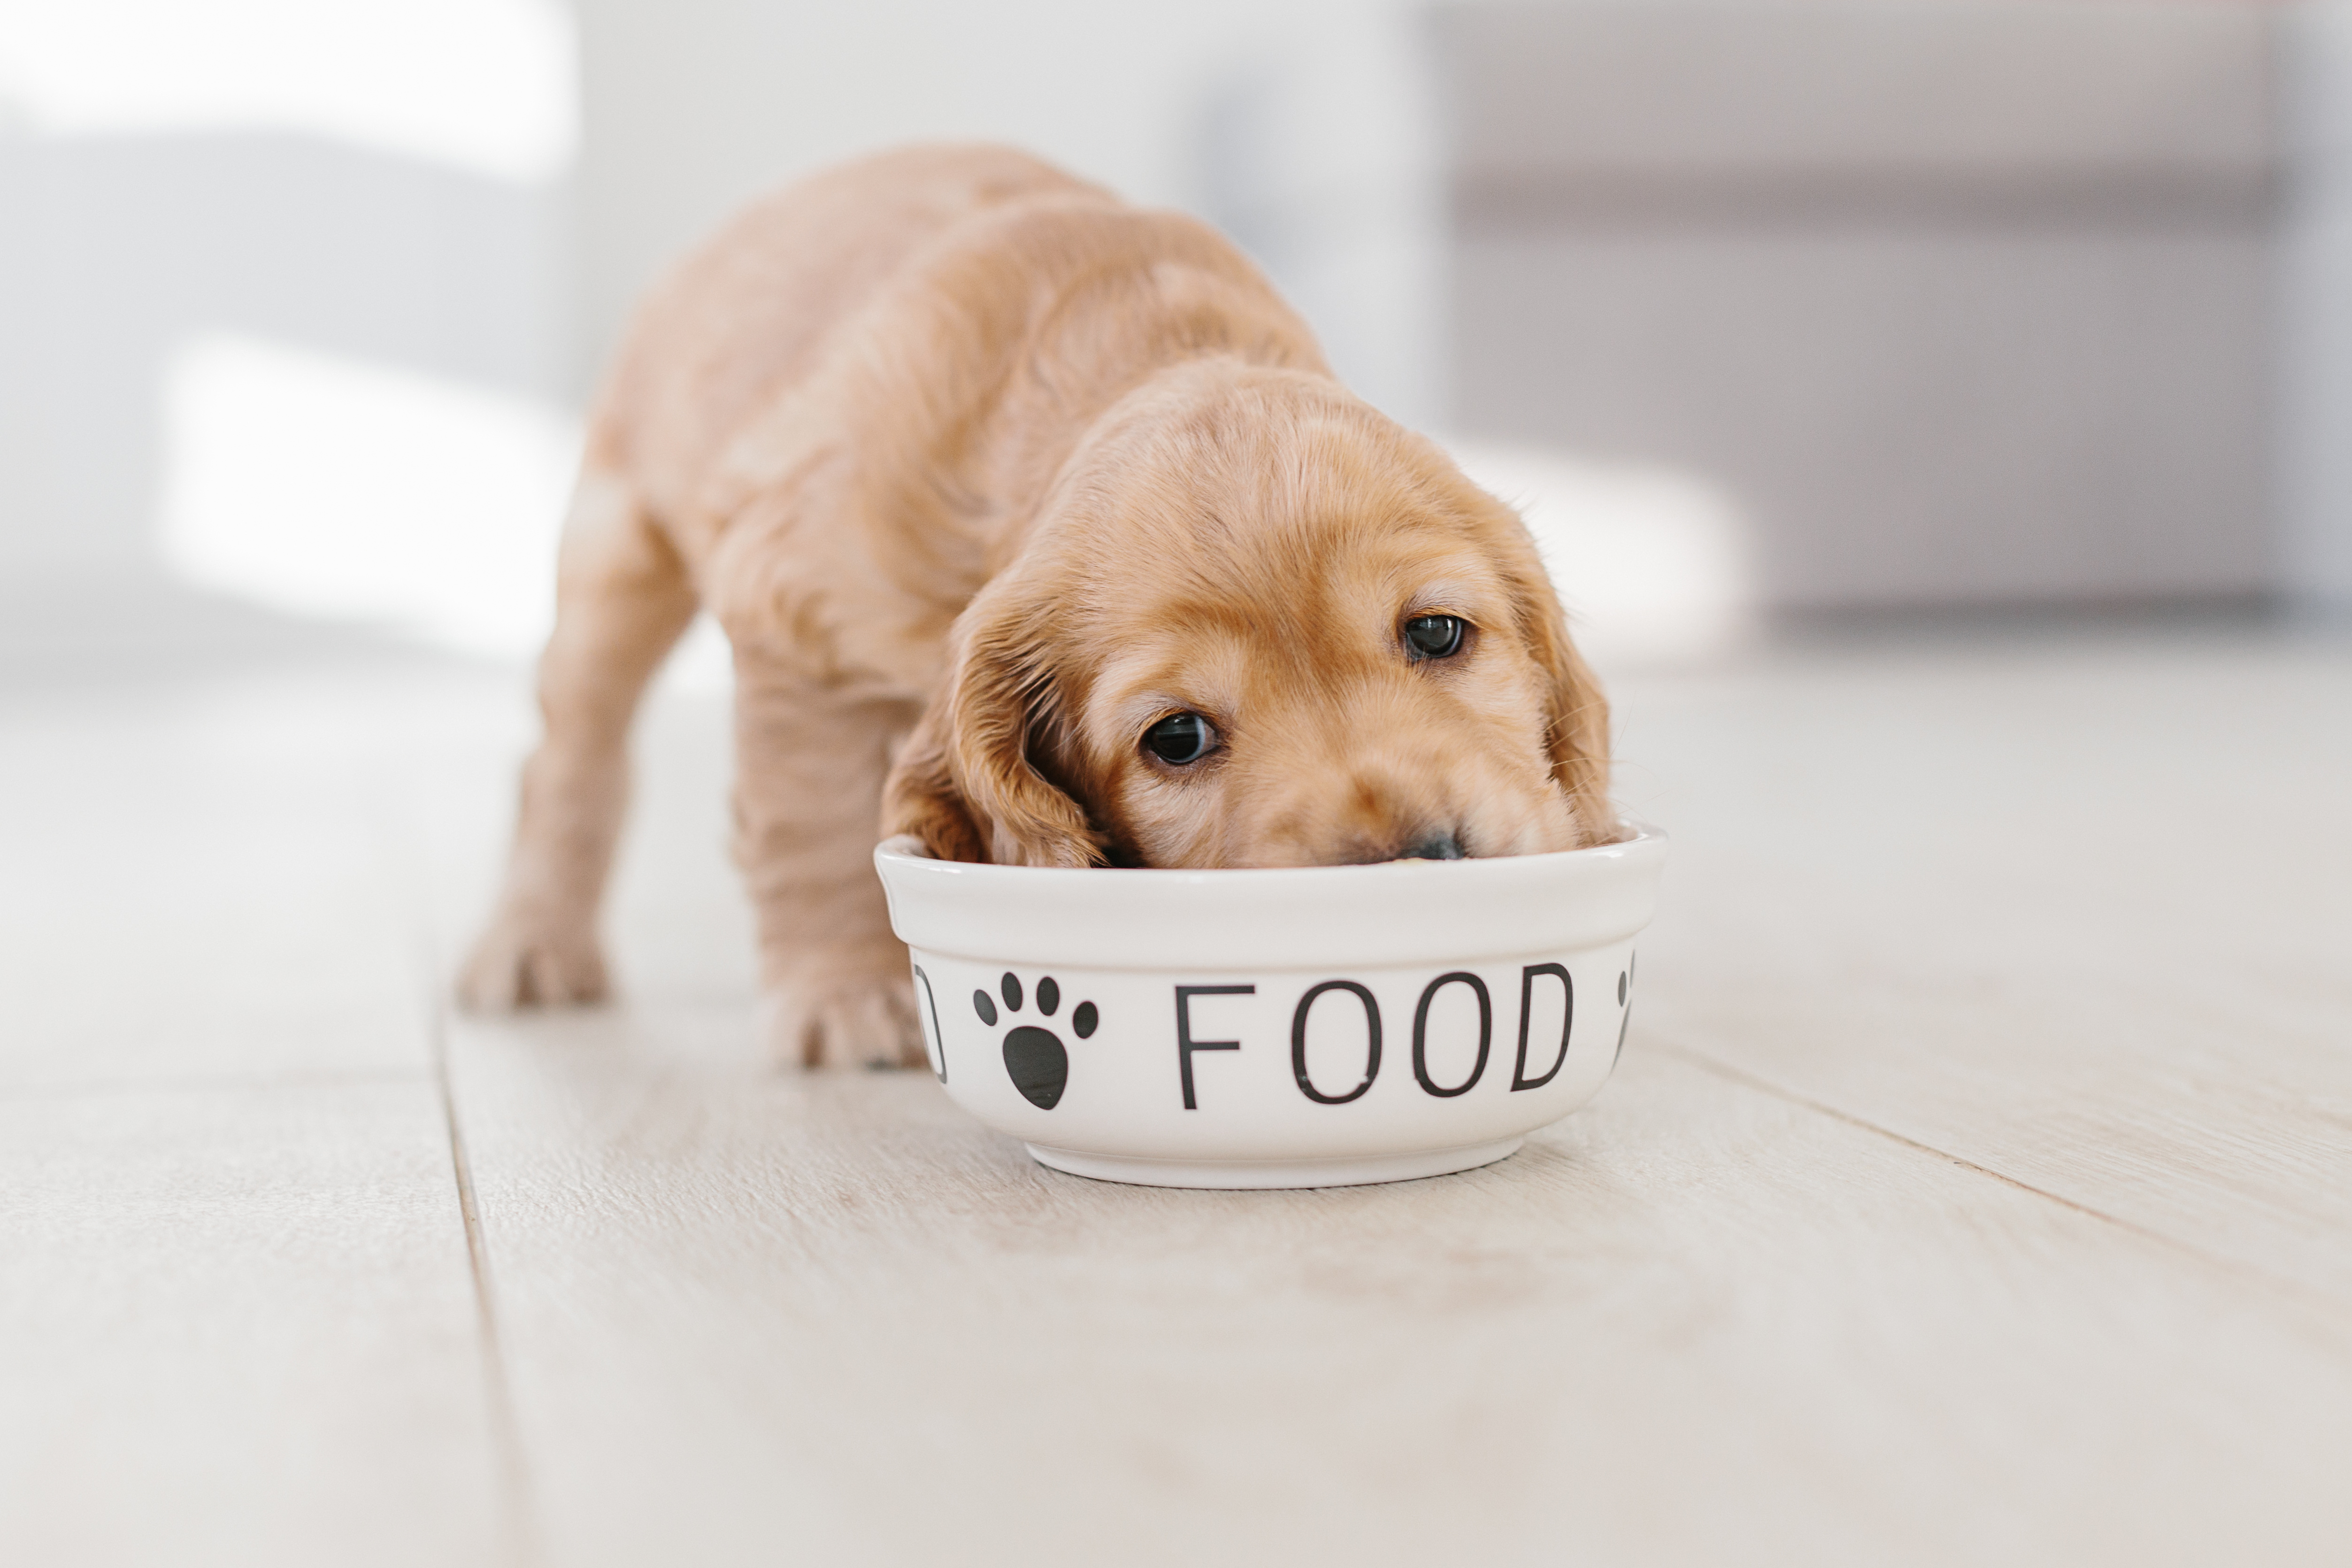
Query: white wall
375	182
475	191
691	107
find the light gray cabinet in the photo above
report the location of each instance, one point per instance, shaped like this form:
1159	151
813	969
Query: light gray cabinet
1961	302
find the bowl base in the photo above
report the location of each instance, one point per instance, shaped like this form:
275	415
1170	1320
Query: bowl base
1353	1172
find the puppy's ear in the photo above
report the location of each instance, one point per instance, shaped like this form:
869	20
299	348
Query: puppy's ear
1578	717
968	782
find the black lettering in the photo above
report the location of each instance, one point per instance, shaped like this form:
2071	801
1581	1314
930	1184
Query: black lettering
1299	1042
1519	1079
1421	1032
1186	1044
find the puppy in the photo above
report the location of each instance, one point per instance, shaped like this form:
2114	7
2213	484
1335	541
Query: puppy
1041	532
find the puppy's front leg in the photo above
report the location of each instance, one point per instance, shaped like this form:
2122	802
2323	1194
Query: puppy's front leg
622	601
809	763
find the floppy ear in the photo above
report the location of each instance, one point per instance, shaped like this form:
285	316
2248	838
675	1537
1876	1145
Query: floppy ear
967	783
1578	712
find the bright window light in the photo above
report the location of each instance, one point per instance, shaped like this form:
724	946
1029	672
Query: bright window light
339	490
486	85
1653	563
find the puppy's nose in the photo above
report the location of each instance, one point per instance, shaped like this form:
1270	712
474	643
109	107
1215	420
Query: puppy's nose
1436	847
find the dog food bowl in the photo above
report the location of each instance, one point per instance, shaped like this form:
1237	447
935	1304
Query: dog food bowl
1312	1027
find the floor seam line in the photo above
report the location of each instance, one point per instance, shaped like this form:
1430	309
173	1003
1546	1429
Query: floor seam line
506	1424
2303	1294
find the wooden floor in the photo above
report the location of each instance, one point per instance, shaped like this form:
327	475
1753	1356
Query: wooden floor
1977	1185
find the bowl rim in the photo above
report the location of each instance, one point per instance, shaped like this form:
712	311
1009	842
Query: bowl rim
1274	918
1632	833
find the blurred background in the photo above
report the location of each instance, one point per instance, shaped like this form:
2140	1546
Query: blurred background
1766	311
1938	415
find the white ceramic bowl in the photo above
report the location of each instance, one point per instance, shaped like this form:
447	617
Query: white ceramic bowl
1279	1029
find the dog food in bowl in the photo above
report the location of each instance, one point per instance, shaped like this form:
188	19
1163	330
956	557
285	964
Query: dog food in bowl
1303	1027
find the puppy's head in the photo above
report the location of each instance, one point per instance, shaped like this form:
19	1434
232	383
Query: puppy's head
1257	624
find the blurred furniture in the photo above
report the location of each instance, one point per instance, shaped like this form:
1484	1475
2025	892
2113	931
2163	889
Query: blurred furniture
1961	302
2314	336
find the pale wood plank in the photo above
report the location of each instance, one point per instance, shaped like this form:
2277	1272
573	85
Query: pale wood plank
2081	913
238	1326
202	882
753	1316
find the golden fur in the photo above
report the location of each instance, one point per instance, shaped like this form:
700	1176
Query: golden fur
983	473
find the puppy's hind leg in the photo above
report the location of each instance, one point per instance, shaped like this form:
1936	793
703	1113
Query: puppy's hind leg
622	601
810	758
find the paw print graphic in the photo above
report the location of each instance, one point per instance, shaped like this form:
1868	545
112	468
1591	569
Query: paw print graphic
1035	1059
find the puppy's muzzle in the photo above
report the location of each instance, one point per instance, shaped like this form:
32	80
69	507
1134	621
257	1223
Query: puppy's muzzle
1436	847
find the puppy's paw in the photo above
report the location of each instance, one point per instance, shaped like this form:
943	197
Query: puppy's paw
520	962
865	1024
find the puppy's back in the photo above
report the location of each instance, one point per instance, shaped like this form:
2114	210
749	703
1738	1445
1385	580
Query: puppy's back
748	314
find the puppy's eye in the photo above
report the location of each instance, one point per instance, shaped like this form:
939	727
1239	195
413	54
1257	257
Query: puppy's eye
1433	637
1181	738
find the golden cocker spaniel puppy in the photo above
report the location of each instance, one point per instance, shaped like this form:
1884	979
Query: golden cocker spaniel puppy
1040	531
